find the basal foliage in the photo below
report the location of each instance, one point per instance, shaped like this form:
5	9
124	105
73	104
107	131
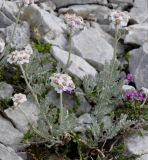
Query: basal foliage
104	91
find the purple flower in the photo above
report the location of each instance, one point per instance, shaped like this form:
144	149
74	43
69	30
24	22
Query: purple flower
129	95
141	97
129	78
134	95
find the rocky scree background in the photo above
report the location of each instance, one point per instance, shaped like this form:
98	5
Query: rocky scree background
91	48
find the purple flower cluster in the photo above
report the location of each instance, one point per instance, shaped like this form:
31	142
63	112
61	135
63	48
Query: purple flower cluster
129	78
134	95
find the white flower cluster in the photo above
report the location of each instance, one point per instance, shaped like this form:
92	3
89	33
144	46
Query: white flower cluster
2	45
19	98
74	22
20	57
119	19
62	83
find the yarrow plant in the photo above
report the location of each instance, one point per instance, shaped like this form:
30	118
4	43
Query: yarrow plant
74	24
62	83
119	19
19	57
21	5
19	99
2	45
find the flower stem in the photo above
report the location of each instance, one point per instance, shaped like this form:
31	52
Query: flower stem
61	108
7	48
69	53
115	51
29	86
35	97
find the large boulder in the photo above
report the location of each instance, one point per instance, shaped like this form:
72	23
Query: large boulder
139	13
9	135
10	9
141	17
79	67
63	3
89	45
122	1
7	153
138	34
6	90
97	12
138	65
21	37
5	21
137	144
44	21
22	115
141	4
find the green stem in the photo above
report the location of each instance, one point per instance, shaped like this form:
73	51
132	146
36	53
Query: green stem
61	108
69	53
29	86
35	96
79	149
115	50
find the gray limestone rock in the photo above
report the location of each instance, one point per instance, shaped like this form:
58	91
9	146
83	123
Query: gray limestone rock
138	65
100	13
10	9
44	21
21	36
138	34
139	15
122	1
7	153
6	90
141	4
63	3
23	114
79	67
4	20
137	144
9	135
89	45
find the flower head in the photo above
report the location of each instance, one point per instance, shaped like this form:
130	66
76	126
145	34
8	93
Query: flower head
20	57
129	78
119	19
2	45
74	22
62	83
134	95
19	98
